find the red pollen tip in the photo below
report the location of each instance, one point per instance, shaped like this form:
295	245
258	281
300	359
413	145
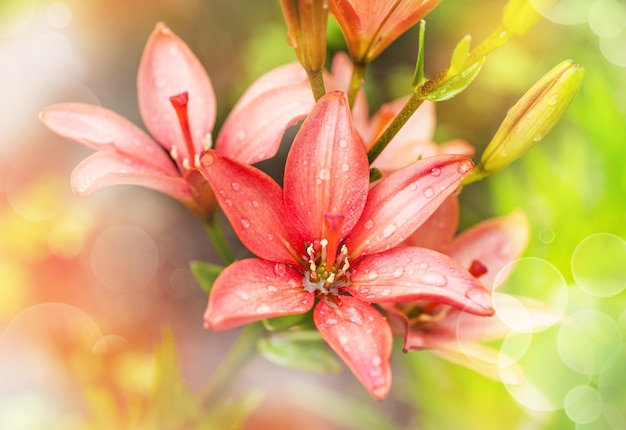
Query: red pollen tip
477	269
332	224
180	102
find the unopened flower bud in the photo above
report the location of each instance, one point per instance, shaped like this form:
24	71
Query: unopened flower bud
306	31
531	118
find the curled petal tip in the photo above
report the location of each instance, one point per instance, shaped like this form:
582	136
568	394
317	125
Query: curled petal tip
482	298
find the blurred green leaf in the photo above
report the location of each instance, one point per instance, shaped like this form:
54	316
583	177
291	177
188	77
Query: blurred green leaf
282	323
205	274
459	56
447	87
308	352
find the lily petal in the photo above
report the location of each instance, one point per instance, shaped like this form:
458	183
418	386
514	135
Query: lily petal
409	273
103	129
438	230
254	289
253	203
168	68
399	203
494	243
361	336
253	133
326	171
105	168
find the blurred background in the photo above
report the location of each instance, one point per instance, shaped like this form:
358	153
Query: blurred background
89	286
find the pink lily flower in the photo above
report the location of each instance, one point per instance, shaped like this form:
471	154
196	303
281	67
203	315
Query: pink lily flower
458	336
178	106
370	26
328	242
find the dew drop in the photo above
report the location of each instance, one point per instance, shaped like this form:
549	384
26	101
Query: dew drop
377	361
465	167
553	99
272	288
373	275
345	167
242	295
429	192
424	266
369	224
537	138
386	292
435	171
263	309
245	223
331	321
435	279
207	159
270	236
399	271
255	203
354	315
324	173
343	143
413	186
229	202
389	230
235	185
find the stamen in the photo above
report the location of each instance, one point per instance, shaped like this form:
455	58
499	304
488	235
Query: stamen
180	103
333	224
324	253
477	269
174	153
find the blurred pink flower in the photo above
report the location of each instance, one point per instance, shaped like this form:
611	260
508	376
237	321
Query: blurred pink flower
326	236
178	106
453	334
370	26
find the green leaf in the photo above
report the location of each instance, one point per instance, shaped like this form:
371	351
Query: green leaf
459	56
282	323
418	76
451	86
309	352
205	274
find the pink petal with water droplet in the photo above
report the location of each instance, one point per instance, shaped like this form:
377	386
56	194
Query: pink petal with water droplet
399	203
438	230
409	273
494	243
105	168
168	68
254	132
102	129
361	336
253	289
326	170
253	203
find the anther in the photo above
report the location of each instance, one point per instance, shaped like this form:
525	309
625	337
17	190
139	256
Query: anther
477	269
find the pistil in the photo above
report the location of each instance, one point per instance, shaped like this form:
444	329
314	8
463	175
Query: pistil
180	102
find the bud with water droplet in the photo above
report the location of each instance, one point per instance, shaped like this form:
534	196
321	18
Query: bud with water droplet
530	119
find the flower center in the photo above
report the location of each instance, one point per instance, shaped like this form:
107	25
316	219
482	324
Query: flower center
327	263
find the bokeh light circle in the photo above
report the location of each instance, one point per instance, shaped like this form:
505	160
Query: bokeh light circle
124	258
599	264
588	341
15	16
532	295
59	15
546	381
568	12
583	404
613	49
607	18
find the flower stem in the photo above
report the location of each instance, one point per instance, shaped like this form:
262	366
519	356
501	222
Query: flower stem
239	355
358	72
213	230
398	122
316	79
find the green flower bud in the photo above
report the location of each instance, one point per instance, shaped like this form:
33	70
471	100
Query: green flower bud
531	118
306	30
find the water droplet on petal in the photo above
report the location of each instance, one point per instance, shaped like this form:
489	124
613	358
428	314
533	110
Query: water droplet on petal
263	309
423	265
412	186
429	192
245	223
435	279
331	321
235	185
377	361
272	288
389	230
270	236
399	271
207	159
435	171
229	202
255	203
465	166
324	173
369	224
345	167
385	292
242	294
537	138
553	99
343	143
373	275
354	315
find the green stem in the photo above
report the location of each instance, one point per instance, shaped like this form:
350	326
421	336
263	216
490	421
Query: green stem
242	352
213	230
398	122
358	73
494	41
316	79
